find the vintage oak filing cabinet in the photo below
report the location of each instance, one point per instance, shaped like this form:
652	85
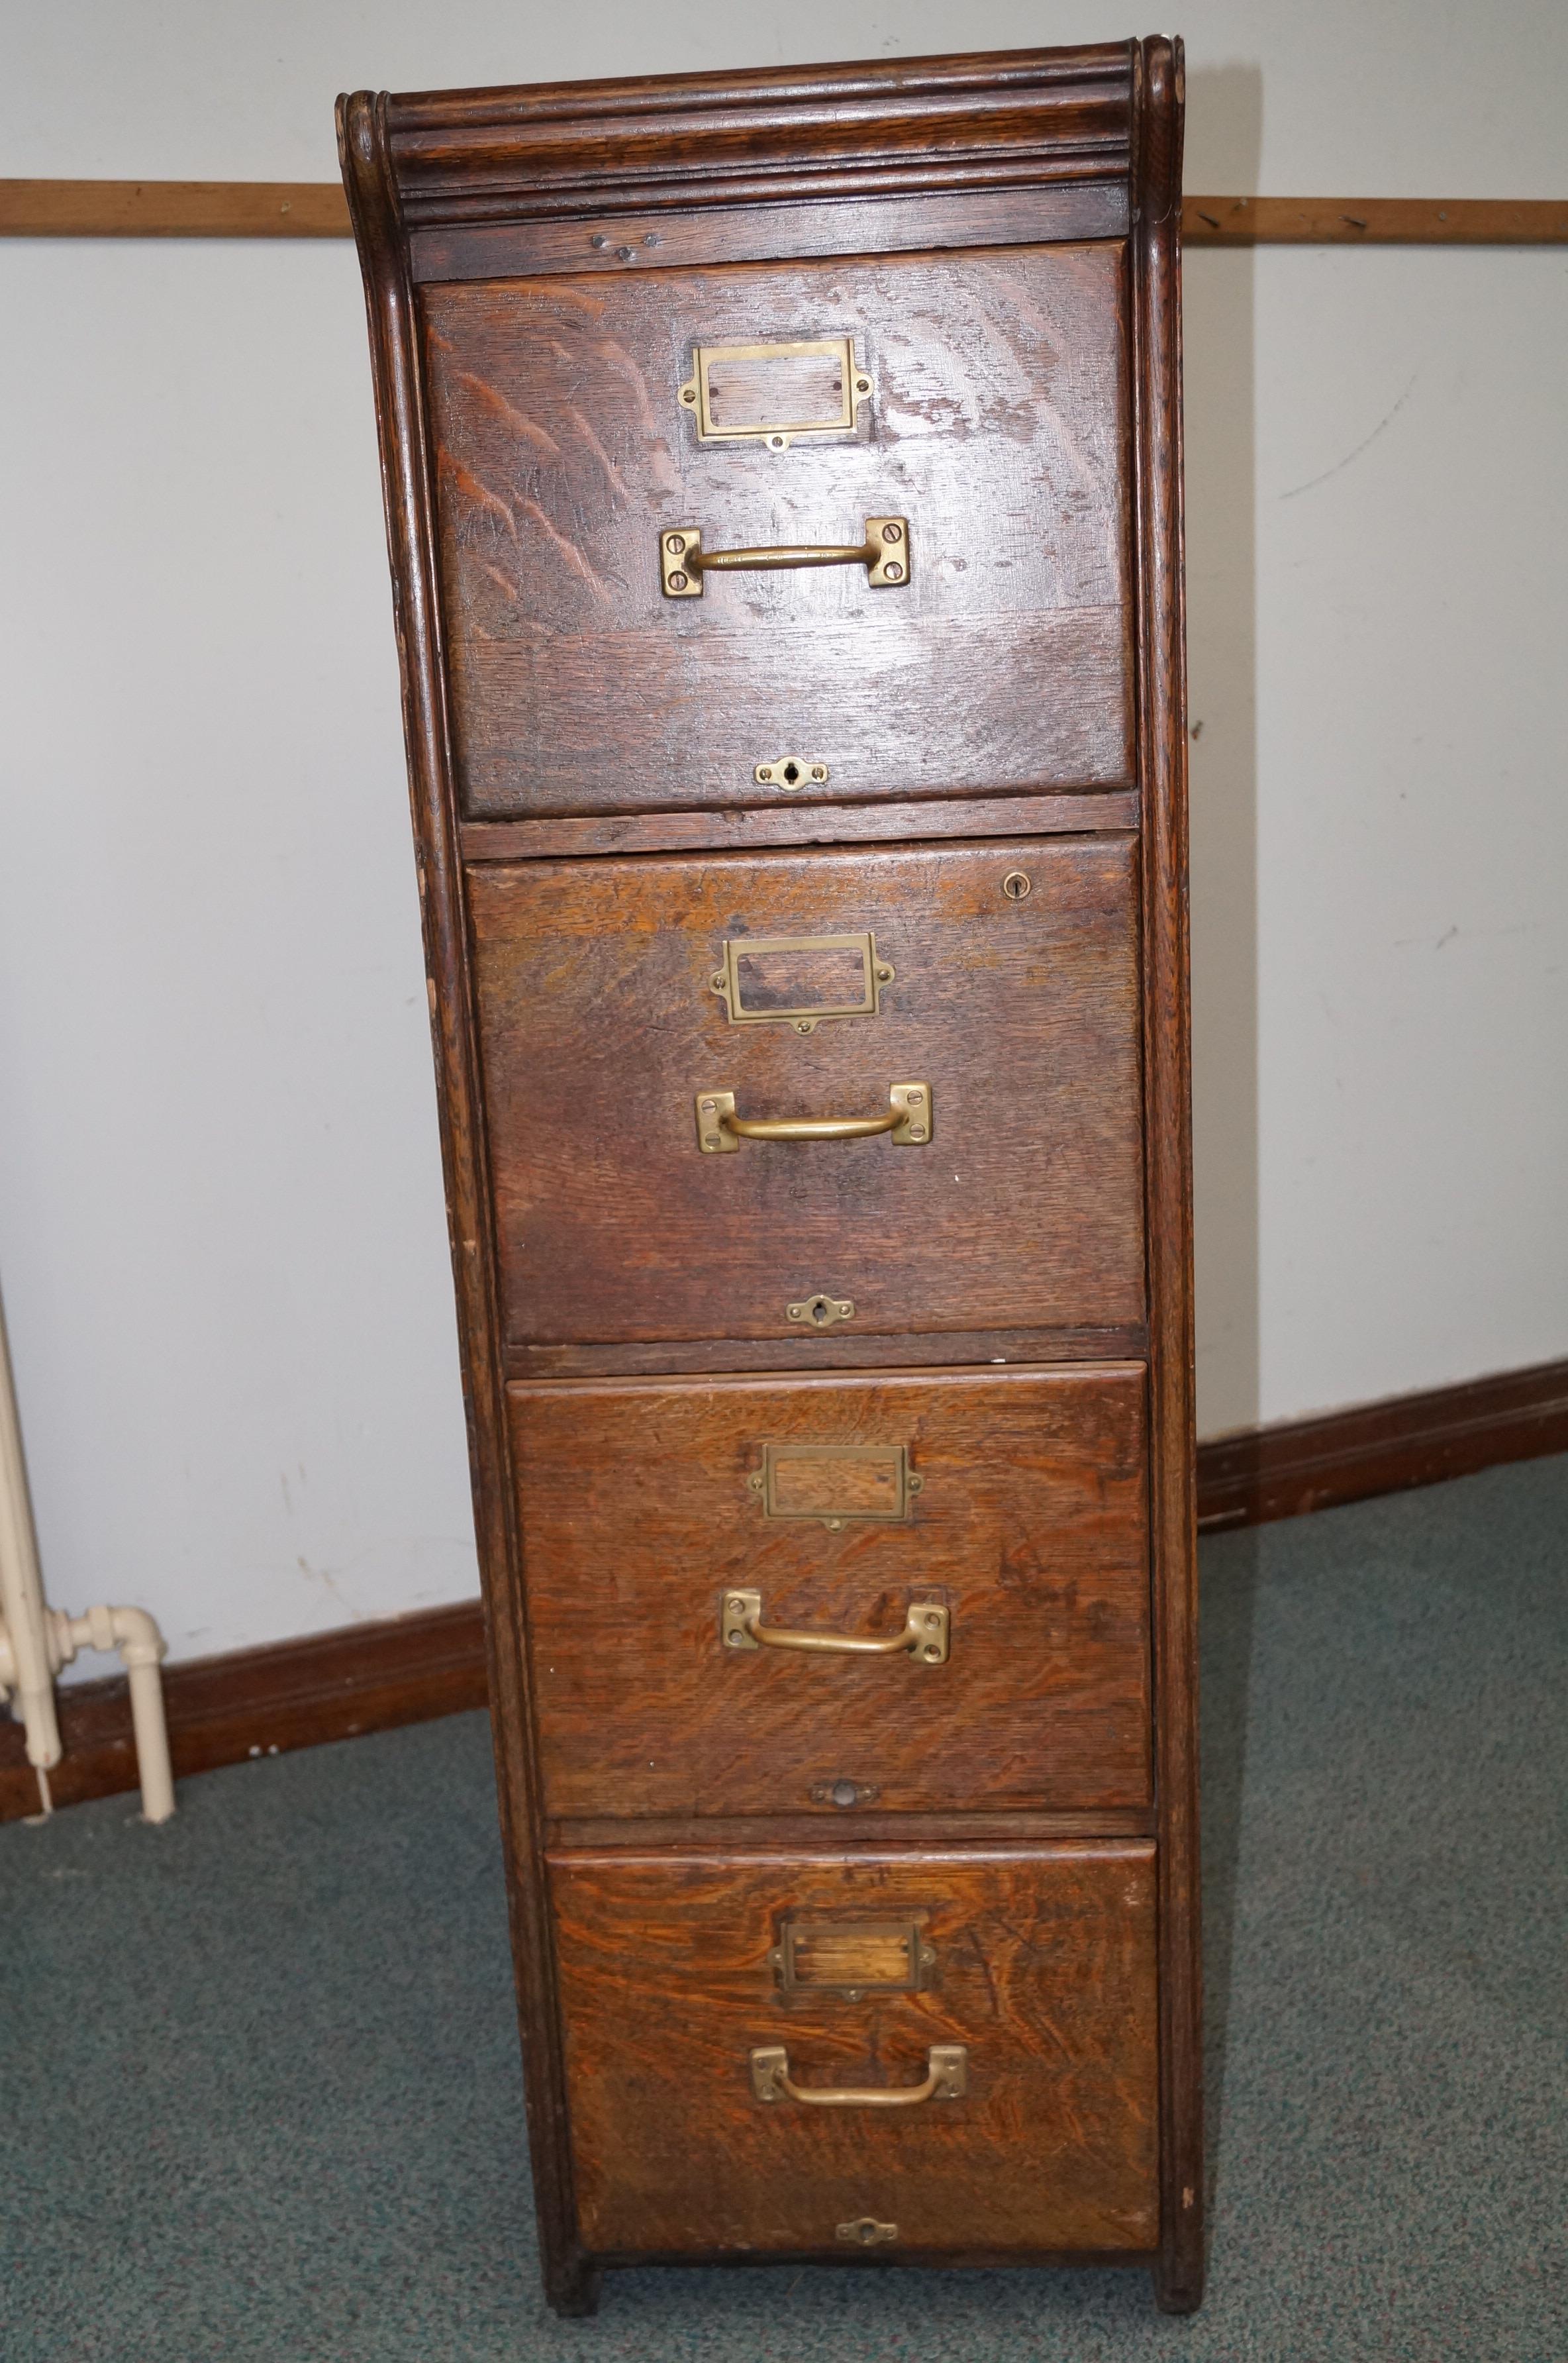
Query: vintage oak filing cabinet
783	485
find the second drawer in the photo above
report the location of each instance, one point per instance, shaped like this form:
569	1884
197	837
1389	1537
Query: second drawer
682	1540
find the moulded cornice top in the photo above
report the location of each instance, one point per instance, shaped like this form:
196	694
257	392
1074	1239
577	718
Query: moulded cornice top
784	134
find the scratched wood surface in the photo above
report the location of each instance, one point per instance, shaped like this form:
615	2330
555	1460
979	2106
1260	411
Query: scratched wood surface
1044	1971
1029	1528
998	425
599	1026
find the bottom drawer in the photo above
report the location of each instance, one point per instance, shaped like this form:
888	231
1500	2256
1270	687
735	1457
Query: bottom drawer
702	1994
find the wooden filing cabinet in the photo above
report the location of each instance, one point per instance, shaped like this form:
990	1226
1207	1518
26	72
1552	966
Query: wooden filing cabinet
783	490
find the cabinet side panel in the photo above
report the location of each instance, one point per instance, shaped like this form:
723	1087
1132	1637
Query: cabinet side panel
399	409
1156	289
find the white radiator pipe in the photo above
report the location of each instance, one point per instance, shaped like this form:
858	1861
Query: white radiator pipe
132	1632
37	1640
24	1668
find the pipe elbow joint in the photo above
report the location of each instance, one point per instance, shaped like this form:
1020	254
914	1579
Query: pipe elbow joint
137	1637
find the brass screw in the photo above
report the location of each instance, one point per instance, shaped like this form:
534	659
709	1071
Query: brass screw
710	1140
675	543
819	770
709	1106
915	1098
862	385
598	239
689	394
917	1132
677	582
892	533
892	573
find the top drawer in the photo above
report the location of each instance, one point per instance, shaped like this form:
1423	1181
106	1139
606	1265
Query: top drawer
994	428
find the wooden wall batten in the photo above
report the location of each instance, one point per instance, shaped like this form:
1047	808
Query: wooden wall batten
65	208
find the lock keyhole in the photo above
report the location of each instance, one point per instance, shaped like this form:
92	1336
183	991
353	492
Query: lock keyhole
791	771
819	1313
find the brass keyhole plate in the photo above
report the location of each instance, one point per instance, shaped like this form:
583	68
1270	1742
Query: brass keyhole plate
791	771
822	1312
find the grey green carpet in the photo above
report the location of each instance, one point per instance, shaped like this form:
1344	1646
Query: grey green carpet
259	2084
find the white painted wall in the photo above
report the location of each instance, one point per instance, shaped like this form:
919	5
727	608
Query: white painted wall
221	1232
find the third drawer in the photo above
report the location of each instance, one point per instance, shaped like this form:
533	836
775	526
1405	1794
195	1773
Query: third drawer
680	1538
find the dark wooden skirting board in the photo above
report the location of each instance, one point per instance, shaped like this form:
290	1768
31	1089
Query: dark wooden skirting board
410	1668
1382	1448
254	1703
318	209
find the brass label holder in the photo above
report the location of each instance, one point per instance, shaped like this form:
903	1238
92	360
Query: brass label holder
819	1481
851	976
851	1959
768	394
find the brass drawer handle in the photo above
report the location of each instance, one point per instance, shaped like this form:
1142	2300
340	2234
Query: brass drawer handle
924	1635
884	553
909	1120
946	2078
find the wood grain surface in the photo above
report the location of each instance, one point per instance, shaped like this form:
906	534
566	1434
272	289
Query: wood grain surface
599	1024
839	1348
618	242
1029	1528
1045	1970
797	822
998	426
